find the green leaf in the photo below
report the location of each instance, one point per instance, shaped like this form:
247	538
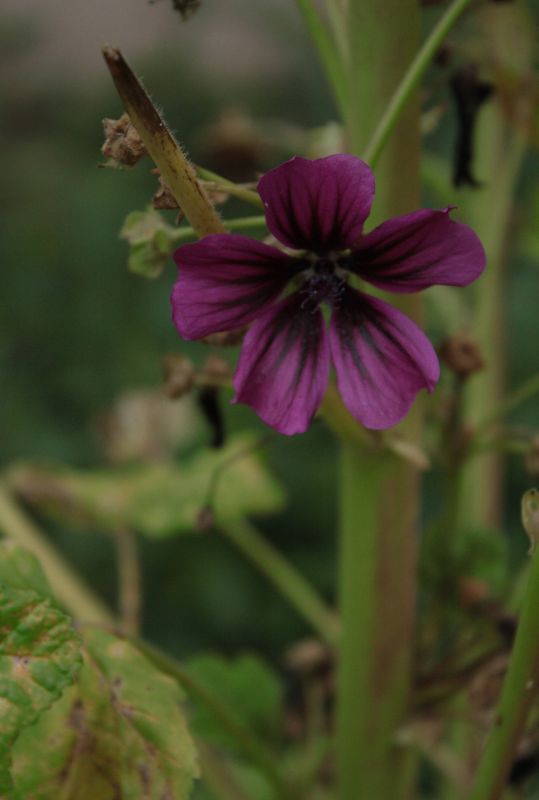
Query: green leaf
19	569
156	499
151	242
119	733
248	686
39	658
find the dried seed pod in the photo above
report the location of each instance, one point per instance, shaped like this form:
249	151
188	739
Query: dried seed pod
216	371
178	375
462	355
225	339
122	143
163	199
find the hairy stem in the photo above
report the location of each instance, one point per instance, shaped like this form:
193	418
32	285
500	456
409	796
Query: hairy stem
165	151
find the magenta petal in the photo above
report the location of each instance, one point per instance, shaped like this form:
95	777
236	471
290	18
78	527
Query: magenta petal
415	251
283	369
381	357
318	205
224	281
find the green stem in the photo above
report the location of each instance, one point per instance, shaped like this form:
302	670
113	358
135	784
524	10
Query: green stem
244	738
289	582
129	580
329	54
411	81
186	233
527	389
380	493
165	151
241	192
66	584
519	691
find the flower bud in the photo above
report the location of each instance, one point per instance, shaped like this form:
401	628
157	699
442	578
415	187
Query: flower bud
462	355
178	374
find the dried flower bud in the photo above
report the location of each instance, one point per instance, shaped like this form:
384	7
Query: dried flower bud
216	371
234	146
531	458
163	199
205	519
462	355
178	375
225	339
122	143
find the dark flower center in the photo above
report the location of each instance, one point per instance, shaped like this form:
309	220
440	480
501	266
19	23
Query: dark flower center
324	280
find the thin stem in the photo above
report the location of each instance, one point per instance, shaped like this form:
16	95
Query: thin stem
411	81
186	233
329	54
244	738
217	775
129	581
527	389
519	691
165	151
67	585
289	582
241	192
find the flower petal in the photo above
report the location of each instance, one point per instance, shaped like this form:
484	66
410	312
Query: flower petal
381	357
318	205
283	369
418	250
224	281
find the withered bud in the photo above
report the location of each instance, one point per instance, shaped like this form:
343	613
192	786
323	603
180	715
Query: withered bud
472	592
122	143
205	519
531	458
178	375
234	146
216	371
225	339
163	199
308	656
462	355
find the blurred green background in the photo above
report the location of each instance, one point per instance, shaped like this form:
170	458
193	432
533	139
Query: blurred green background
78	329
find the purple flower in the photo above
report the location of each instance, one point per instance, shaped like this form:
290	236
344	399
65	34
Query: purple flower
381	358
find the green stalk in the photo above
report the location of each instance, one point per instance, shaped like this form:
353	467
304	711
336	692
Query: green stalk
237	190
328	52
411	81
68	587
186	233
489	211
519	691
290	583
380	493
163	148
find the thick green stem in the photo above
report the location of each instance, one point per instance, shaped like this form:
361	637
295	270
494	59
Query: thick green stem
68	587
411	81
290	583
518	693
379	501
500	146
